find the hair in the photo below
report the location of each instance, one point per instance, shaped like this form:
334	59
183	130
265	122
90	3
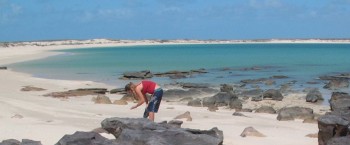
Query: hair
128	86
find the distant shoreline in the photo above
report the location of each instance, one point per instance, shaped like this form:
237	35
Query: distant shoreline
160	41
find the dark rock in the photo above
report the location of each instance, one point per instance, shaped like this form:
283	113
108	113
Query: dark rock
331	126
118	90
16	142
257	98
31	88
144	132
337	84
78	92
252	93
195	103
194	85
3	68
291	113
279	77
265	109
226	88
10	142
238	114
273	94
345	140
314	96
220	99
178	94
236	104
340	101
175	123
85	138
254	81
146	74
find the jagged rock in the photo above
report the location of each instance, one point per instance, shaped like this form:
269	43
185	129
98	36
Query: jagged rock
145	132
85	138
250	131
101	99
265	109
273	94
291	113
186	115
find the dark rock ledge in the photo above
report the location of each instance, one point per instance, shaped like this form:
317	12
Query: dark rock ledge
132	131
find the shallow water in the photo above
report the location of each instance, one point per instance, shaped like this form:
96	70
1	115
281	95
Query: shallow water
225	63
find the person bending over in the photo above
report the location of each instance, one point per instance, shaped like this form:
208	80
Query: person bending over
140	90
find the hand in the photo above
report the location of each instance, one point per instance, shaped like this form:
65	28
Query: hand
133	107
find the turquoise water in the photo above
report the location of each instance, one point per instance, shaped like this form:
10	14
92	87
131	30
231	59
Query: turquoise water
301	62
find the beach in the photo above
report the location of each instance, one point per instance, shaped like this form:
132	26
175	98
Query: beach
31	115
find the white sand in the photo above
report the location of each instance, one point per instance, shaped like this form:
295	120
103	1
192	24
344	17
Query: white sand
48	119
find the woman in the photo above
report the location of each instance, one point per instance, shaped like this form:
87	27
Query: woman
140	90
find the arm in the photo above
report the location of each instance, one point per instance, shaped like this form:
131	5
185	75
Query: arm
141	97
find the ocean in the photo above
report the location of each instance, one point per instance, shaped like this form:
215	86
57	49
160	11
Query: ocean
225	63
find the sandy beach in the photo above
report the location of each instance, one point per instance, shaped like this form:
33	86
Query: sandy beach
30	115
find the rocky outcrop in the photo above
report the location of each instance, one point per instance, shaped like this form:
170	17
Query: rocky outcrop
146	74
86	138
265	109
77	92
337	83
313	96
3	68
136	131
16	142
223	99
291	113
334	127
144	132
273	94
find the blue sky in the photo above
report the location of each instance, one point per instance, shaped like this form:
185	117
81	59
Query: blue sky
27	20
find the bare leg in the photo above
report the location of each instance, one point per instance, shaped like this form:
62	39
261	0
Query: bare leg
151	116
